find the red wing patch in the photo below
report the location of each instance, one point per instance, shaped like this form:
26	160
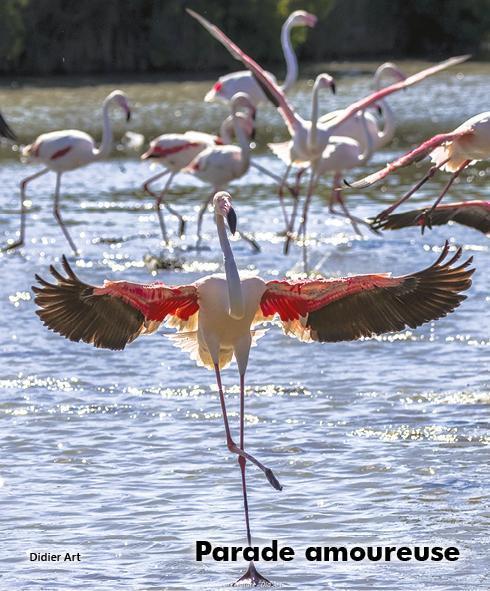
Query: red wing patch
155	301
60	153
159	152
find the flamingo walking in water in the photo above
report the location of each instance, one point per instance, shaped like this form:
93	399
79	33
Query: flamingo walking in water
175	151
474	214
69	149
217	314
227	86
451	152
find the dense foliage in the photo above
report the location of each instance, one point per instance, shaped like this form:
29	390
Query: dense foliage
70	36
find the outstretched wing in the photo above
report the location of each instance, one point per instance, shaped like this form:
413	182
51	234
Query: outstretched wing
475	214
409	158
110	316
5	130
271	90
349	308
387	90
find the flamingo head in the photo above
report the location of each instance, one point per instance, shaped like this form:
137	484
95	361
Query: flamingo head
121	99
301	18
325	81
214	93
222	206
388	69
241	102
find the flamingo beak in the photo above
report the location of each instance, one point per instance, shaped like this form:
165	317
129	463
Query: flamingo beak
379	110
128	114
232	220
333	87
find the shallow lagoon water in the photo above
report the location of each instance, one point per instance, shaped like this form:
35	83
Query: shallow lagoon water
121	456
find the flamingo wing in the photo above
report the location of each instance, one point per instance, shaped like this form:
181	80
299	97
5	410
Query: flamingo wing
349	308
395	87
475	214
410	157
269	86
5	129
110	316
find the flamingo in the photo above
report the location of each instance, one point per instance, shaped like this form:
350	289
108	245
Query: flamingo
354	127
475	214
175	151
310	138
65	150
5	130
215	317
243	81
451	152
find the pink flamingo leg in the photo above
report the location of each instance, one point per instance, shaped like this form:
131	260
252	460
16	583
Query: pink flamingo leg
159	200
57	214
232	446
200	216
385	213
336	197
23	186
425	216
290	229
252	576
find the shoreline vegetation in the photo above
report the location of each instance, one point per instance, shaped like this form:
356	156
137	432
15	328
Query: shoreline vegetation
60	37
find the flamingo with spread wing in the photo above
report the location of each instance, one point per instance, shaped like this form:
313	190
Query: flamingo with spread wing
215	316
451	152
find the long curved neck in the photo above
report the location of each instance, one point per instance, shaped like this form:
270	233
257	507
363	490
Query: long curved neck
106	144
235	296
388	132
289	56
243	142
369	143
389	125
312	132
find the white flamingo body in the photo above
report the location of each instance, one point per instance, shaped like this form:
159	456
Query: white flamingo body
219	165
242	81
61	151
65	150
176	150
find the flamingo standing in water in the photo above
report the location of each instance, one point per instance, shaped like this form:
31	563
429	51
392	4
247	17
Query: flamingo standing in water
452	152
175	151
61	151
310	138
227	86
474	214
217	314
5	130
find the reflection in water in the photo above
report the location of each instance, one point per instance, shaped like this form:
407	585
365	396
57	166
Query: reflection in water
121	456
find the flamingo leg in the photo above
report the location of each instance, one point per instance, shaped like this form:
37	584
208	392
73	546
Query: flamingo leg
57	214
23	186
290	228
253	243
385	213
151	180
425	216
200	216
304	220
232	446
252	576
336	197
159	200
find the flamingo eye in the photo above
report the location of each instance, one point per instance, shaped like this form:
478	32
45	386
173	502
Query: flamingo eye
218	86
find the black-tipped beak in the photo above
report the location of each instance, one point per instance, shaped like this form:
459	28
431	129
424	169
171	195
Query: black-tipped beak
380	110
232	221
333	88
128	115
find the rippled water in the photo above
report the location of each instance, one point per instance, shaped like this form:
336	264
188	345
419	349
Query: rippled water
121	456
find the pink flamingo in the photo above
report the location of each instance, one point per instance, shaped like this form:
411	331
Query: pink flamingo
310	138
69	149
474	214
217	314
176	151
452	152
227	86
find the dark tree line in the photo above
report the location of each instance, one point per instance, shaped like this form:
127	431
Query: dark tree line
106	36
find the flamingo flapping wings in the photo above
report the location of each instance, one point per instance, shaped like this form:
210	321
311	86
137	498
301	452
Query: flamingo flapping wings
216	315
